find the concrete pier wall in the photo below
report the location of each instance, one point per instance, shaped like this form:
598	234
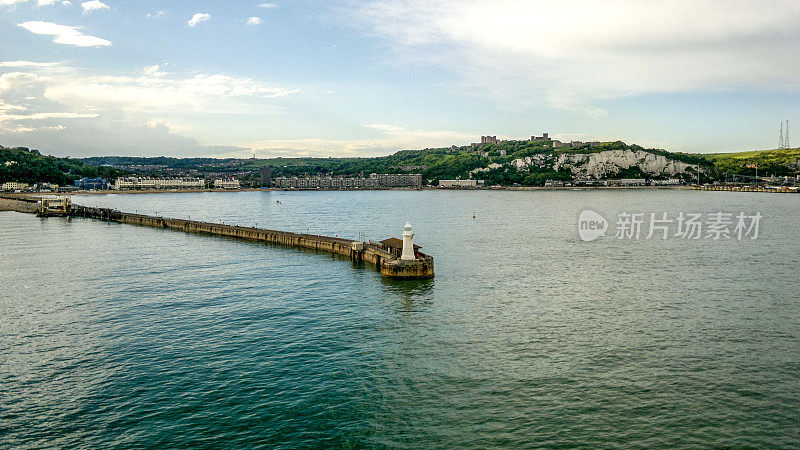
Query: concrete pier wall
387	263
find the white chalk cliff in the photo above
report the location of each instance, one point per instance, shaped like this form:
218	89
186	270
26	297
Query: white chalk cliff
606	163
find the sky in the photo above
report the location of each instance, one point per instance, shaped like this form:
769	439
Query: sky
366	78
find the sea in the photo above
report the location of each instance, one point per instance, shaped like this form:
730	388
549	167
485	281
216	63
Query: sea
529	335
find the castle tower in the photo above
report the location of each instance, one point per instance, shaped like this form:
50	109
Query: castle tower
408	243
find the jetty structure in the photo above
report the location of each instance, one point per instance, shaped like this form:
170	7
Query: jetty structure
392	257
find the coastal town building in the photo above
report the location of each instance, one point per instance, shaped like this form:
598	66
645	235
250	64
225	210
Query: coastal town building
324	182
11	186
375	181
668	182
630	182
45	187
230	183
389	180
88	184
126	183
460	183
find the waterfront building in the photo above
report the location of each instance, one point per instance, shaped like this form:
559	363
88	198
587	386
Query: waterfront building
669	182
91	184
15	186
631	182
266	176
124	183
375	181
45	187
231	183
390	180
458	183
324	182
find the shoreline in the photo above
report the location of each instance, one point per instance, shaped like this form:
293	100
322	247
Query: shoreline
426	188
196	191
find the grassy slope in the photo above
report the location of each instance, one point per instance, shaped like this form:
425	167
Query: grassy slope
779	162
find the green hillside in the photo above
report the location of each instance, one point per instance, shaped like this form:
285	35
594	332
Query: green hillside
775	162
29	166
434	164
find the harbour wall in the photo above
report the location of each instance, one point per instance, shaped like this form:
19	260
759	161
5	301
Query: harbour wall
774	190
387	262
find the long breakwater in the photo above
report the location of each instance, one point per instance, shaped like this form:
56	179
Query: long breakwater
383	258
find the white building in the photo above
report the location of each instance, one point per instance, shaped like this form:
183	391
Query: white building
458	183
669	182
227	184
124	183
631	182
15	186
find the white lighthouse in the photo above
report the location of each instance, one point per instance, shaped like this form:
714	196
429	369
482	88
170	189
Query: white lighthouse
408	243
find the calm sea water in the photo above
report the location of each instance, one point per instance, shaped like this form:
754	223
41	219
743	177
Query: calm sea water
114	335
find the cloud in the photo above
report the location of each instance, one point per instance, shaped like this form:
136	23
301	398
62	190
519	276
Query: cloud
23	108
38	2
156	14
384	127
49	115
93	5
153	103
573	53
29	117
389	139
254	21
6	107
23	64
268	5
64	34
152	90
198	19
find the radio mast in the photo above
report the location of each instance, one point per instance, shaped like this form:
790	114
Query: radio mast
786	137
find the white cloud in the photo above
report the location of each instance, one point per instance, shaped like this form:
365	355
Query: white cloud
384	127
150	91
25	105
64	34
38	2
391	138
93	5
574	52
138	112
6	107
268	5
49	115
23	64
254	21
156	14
198	19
